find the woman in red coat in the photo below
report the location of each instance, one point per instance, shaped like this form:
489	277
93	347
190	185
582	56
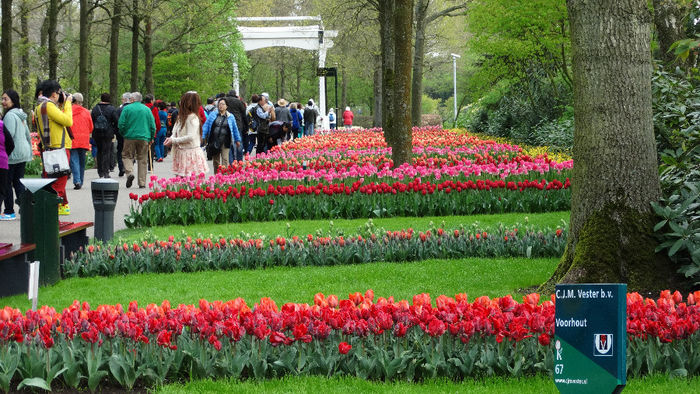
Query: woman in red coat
347	118
82	128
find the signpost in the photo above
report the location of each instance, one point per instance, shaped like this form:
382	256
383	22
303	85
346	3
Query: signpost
590	345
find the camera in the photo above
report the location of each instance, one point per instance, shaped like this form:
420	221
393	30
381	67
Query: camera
61	97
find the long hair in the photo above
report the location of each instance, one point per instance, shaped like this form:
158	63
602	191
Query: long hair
14	96
189	104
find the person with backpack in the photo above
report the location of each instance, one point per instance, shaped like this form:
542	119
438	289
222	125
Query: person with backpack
16	126
296	119
264	114
249	137
105	121
310	116
331	119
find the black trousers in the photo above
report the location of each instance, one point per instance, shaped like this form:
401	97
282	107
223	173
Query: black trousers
104	151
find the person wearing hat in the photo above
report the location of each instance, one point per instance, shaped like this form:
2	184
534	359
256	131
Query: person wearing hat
282	114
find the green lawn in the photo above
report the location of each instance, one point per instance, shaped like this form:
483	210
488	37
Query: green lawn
534	385
476	277
303	227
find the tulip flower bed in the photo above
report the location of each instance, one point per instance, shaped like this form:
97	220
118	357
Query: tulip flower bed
357	200
199	254
351	175
385	340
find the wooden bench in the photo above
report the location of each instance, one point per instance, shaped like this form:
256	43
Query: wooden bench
14	268
72	236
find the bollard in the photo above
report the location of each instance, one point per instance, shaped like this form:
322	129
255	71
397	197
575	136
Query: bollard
38	209
104	200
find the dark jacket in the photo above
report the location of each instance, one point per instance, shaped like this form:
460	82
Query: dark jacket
110	113
238	109
282	114
310	115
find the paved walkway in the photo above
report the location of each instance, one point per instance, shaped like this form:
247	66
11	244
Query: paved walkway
81	201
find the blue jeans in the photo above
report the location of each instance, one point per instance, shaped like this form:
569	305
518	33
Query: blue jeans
160	138
309	129
248	143
77	165
235	153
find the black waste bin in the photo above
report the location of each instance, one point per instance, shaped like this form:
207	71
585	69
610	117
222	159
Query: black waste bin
104	199
38	210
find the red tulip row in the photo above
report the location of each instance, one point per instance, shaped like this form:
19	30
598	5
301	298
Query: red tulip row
414	186
668	319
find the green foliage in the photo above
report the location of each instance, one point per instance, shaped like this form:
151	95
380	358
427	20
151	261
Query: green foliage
676	102
677	127
509	38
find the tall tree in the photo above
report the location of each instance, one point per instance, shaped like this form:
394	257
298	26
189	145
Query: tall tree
114	52
24	53
6	44
615	175
396	23
424	15
670	21
52	19
84	50
135	22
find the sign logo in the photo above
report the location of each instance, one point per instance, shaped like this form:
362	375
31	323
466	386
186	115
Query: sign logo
603	345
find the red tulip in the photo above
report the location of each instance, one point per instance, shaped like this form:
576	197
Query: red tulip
344	347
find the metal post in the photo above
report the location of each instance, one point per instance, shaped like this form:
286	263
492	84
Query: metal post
454	79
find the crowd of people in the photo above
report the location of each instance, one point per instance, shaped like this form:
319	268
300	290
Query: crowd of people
143	131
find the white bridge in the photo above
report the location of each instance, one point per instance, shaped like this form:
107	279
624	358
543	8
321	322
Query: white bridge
311	38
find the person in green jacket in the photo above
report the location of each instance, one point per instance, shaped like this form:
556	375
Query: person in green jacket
137	126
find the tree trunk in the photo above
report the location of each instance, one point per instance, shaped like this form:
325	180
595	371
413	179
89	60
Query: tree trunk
135	21
148	56
6	45
402	149
377	90
24	55
615	174
83	51
670	27
52	15
343	89
283	76
114	53
418	56
386	11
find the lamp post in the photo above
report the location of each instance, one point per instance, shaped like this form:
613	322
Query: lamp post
454	79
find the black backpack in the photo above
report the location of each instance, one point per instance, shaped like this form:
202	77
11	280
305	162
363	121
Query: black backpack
101	125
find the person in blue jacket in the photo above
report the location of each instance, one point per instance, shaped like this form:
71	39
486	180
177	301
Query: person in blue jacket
219	132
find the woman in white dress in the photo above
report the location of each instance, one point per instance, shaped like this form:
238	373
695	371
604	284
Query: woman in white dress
188	157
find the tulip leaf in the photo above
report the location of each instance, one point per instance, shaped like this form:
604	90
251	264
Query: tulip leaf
34	382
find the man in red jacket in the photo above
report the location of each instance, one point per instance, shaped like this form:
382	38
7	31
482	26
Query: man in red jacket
82	128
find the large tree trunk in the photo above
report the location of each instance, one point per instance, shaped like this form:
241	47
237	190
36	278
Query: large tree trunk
148	56
386	31
114	53
670	25
52	15
377	94
83	55
615	174
135	21
420	14
6	45
402	132
24	54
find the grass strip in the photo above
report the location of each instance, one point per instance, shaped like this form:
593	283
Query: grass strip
499	385
303	227
475	276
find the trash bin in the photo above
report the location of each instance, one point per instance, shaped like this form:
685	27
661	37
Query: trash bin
104	200
38	210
